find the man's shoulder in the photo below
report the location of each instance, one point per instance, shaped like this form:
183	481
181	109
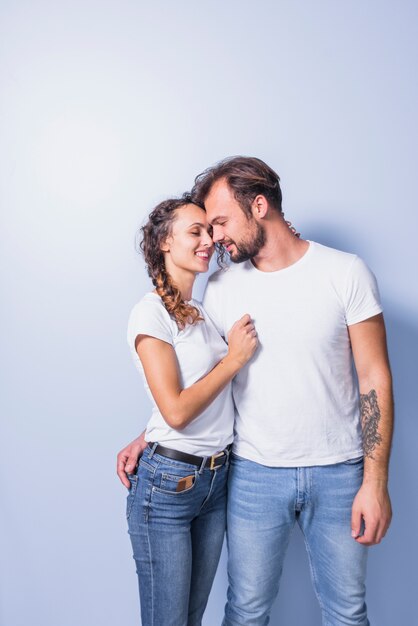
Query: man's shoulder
343	269
332	258
329	252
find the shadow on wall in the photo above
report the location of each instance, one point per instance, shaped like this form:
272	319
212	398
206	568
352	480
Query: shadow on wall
391	564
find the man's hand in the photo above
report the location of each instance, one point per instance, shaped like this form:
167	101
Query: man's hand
128	458
372	507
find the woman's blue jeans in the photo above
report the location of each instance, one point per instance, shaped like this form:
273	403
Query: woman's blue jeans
176	537
263	505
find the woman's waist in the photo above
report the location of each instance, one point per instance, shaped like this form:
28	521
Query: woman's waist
202	444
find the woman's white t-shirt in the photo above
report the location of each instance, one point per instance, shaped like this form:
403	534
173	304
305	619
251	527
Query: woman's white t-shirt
198	347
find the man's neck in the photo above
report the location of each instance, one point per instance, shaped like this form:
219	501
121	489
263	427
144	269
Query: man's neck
282	249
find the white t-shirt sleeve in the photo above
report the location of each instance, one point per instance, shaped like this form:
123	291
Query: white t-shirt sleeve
149	318
361	297
212	304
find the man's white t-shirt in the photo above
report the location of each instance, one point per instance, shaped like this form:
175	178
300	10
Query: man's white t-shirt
198	347
297	401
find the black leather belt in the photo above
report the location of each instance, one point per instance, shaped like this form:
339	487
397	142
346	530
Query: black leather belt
212	462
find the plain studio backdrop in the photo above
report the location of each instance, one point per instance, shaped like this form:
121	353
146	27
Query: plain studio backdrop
107	108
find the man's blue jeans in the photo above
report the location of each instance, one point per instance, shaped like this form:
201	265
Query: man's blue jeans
263	505
176	537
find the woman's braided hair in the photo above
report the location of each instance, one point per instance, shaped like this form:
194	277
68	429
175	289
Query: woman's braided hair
153	235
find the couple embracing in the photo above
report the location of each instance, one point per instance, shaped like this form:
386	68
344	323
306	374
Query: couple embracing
259	419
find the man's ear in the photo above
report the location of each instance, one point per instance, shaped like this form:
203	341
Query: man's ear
259	206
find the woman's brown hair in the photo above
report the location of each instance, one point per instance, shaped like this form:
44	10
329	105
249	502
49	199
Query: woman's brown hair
153	235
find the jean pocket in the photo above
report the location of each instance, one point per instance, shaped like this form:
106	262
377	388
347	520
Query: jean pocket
133	479
355	461
175	483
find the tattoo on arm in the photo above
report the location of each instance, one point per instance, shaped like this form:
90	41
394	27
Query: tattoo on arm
370	418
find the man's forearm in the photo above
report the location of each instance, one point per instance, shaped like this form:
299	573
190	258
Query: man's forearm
372	511
376	410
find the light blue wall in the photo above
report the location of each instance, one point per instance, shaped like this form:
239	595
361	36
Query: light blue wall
106	108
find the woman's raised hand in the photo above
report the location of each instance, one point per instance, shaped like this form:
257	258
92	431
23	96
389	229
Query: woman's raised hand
242	340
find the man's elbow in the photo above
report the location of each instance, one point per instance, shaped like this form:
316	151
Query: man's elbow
380	377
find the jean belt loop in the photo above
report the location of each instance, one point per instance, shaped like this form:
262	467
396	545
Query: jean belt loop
202	465
154	445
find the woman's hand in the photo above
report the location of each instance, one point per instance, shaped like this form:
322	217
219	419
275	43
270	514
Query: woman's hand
178	405
242	340
128	459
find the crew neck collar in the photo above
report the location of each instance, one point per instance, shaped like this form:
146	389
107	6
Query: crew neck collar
289	268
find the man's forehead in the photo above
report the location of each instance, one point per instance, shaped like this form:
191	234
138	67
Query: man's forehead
219	190
220	202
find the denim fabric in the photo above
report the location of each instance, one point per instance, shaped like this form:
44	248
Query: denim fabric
176	538
263	505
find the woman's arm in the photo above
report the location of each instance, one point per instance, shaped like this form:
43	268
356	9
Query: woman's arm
180	406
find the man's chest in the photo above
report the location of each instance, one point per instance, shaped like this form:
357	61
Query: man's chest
310	314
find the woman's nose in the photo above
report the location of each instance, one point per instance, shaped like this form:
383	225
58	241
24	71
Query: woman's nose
207	240
217	234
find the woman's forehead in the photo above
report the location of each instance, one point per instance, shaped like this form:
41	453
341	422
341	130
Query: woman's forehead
190	214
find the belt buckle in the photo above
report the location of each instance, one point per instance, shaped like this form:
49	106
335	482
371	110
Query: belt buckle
213	458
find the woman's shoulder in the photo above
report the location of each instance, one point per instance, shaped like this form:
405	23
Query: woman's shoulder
150	308
150	317
149	303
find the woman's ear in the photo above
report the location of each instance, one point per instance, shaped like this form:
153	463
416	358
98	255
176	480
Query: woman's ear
165	246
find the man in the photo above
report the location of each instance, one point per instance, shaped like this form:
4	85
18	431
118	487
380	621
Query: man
310	445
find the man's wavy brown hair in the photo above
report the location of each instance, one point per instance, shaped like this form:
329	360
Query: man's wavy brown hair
153	235
247	177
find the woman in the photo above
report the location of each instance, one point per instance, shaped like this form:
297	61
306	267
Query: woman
177	500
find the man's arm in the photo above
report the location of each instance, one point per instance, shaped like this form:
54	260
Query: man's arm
372	503
128	458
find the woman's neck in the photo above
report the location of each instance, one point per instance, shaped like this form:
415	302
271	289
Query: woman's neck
183	280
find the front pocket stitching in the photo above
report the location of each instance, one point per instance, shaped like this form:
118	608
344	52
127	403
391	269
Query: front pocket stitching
131	497
175	493
174	477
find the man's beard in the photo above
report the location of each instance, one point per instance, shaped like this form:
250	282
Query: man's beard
248	249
